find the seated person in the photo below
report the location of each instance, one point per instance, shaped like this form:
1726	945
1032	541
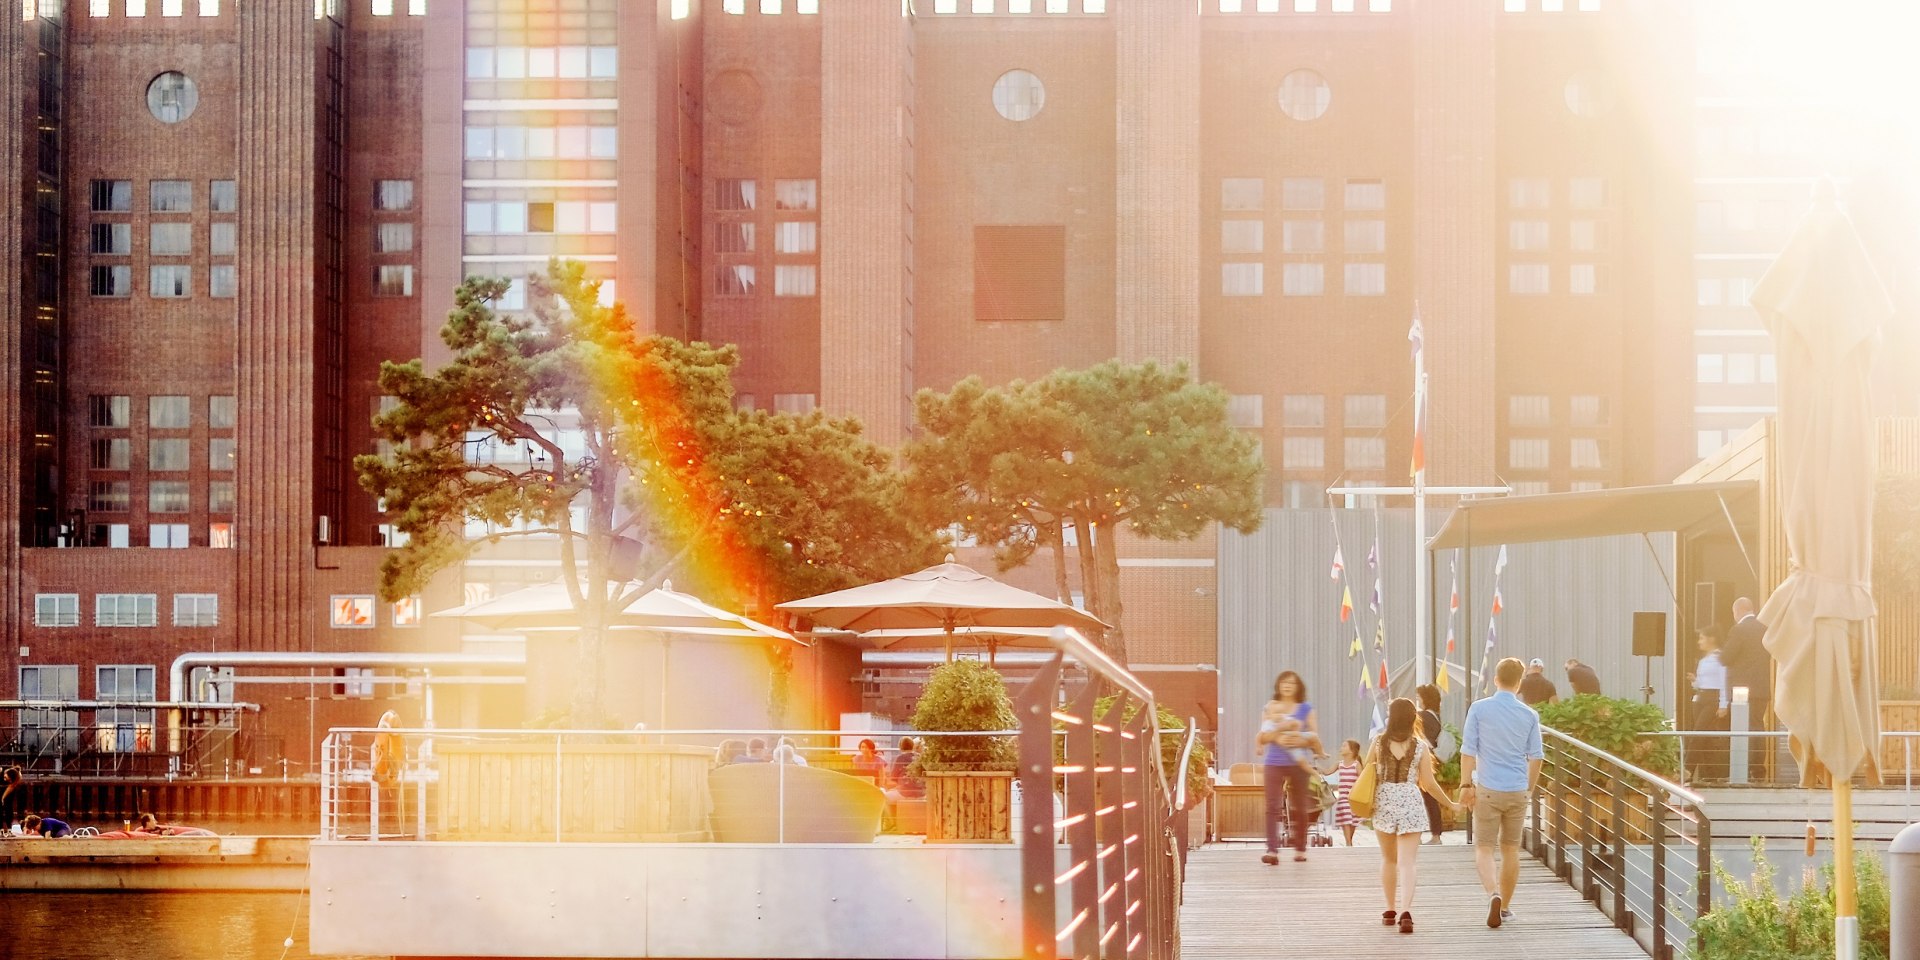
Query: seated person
906	786
867	762
731	751
47	827
756	752
786	752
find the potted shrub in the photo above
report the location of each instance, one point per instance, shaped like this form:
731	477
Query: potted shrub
1199	787
1616	727
969	779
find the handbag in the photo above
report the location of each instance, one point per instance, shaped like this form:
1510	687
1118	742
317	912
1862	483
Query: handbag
1360	796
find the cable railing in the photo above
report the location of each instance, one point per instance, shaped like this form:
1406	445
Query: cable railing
1782	774
1637	845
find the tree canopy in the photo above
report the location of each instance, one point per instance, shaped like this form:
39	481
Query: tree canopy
569	421
1135	444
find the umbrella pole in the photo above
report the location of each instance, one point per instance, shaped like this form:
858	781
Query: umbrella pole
1846	920
949	642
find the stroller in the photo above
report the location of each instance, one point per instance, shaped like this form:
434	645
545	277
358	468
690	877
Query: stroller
1319	814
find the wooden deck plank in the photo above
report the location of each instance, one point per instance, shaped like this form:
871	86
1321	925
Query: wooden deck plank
1236	907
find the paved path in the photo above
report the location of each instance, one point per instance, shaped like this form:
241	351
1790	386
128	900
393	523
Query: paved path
1236	907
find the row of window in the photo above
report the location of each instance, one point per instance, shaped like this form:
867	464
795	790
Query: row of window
1536	193
952	6
1306	6
1310	453
1309	410
356	612
126	610
731	194
543	63
171	536
1745	215
117	730
543	143
1553	6
1723	291
163	412
1302	279
1300	193
789	280
1536	279
164	281
1536	410
1302	236
1536	453
138	8
1735	368
163	239
163	496
163	196
789	236
1536	236
519	216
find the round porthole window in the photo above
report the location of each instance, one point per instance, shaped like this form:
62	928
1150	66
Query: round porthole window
172	96
1304	95
1019	95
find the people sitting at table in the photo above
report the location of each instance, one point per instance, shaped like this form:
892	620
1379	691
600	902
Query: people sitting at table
46	827
756	751
786	752
731	751
867	762
907	785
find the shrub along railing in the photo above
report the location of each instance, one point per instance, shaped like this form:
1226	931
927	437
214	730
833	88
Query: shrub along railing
1636	844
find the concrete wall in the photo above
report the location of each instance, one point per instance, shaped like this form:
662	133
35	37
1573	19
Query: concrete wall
658	900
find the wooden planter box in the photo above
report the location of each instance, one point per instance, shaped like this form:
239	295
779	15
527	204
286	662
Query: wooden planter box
607	792
969	807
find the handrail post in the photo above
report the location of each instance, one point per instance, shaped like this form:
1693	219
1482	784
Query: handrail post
1589	889
559	783
1661	949
373	790
1621	910
1704	852
1038	887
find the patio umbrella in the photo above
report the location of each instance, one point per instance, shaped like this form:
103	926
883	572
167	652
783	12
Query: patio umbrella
946	597
919	638
1823	305
546	606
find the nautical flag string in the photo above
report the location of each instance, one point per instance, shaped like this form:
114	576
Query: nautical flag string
1339	566
1346	607
1416	336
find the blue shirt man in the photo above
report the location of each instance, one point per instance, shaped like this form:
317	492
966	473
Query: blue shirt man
1500	758
1503	736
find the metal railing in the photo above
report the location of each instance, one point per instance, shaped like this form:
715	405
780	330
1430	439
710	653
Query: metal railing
1637	845
1907	739
1120	884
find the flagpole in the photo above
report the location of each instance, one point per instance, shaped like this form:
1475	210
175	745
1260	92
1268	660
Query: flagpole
1422	613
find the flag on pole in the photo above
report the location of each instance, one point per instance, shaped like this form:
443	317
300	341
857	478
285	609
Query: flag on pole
1373	554
1497	605
1380	636
1373	603
1339	567
1500	562
1416	337
1441	680
1346	604
1453	604
1354	650
1366	680
1383	674
1379	723
1449	638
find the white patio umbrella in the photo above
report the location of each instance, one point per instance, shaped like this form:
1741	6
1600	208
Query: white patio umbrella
546	607
1824	305
944	597
934	638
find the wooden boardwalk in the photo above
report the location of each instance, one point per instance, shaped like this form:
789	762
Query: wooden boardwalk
1238	908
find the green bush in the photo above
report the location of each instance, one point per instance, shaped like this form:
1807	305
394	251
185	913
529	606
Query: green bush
1198	786
1615	726
1447	774
961	696
1754	923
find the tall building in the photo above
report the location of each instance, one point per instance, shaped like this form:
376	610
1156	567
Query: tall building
231	212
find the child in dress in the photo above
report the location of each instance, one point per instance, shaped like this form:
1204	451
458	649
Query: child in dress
1344	777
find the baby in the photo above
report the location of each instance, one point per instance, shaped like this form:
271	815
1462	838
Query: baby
1275	720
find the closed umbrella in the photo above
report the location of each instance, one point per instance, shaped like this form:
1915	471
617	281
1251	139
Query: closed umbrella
1823	305
946	596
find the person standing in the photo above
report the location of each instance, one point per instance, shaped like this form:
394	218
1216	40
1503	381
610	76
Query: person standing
1535	688
1749	665
13	796
1710	708
1581	678
1288	745
1345	776
1403	775
1500	758
1430	728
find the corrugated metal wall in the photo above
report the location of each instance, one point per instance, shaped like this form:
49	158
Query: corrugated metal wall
1280	610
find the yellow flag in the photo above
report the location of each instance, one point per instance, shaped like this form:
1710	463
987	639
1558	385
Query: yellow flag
1366	678
1441	681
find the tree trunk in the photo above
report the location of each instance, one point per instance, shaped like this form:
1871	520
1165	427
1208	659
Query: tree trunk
1089	583
1107	563
589	690
1063	591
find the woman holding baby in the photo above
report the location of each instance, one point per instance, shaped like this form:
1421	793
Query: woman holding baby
1289	741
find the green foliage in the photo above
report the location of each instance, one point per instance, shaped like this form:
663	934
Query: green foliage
1754	923
1615	727
961	696
1135	444
1198	786
1448	772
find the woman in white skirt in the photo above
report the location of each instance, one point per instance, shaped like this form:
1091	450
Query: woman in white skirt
1405	768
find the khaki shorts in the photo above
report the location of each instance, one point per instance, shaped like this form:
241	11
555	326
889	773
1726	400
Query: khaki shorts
1497	817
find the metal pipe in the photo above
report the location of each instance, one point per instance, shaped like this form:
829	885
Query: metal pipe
177	674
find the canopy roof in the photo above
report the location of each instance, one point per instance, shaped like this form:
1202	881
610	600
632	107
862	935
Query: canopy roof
1597	513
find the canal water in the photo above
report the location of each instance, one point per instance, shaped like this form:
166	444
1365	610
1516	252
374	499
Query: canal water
153	926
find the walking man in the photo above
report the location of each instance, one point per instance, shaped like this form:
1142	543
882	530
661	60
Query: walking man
1500	758
1749	665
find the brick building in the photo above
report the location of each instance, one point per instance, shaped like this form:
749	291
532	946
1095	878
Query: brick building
231	211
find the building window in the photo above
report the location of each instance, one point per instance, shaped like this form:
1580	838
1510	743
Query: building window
1366	236
1528	236
223	238
1530	193
1589	411
1708	442
1769	369
1303	410
794	280
796	236
796	194
170	239
1304	95
115	535
1303	279
1303	236
220	454
170	196
110	281
734	194
170	281
1242	279
196	610
1527	453
1242	236
124	730
1366	453
223	280
393	195
734	280
125	610
1246	410
1366	195
1581	279
393	280
109	496
1018	95
109	411
220	411
1710	368
220	496
1242	193
1019	273
406	612
1366	279
169	412
112	196
1586	236
40	729
113	239
1303	453
1707	291
1741	368
1303	193
56	609
220	535
168	536
1366	411
1587	193
733	237
795	403
1527	278
167	496
171	96
353	612
1588	453
168	454
114	453
224	196
392	237
1529	410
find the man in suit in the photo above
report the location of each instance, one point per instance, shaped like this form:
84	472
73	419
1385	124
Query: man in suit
1748	663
